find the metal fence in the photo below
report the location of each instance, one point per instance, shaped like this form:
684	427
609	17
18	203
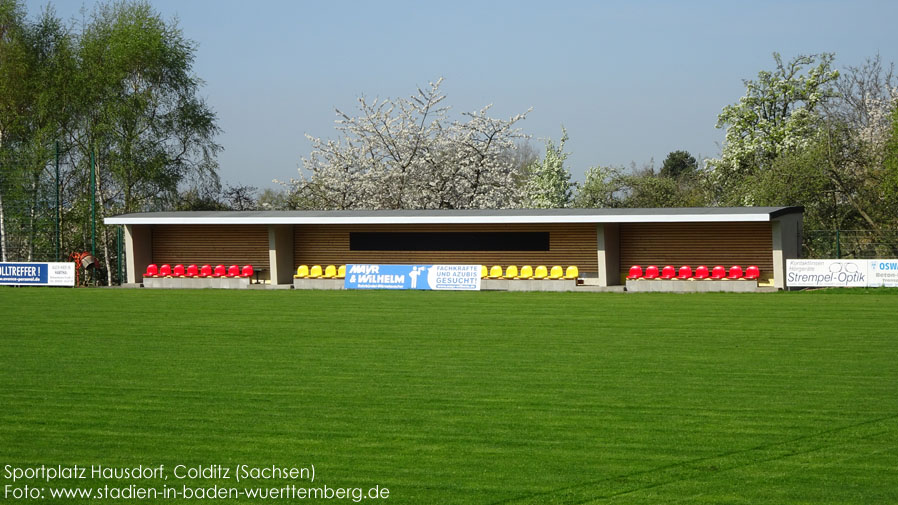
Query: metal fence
860	244
38	224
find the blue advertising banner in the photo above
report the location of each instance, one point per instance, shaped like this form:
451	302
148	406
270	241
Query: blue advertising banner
37	274
426	277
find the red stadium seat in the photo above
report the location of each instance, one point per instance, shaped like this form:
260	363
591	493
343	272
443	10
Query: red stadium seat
234	271
152	270
685	273
752	272
220	271
635	272
206	271
718	272
668	272
165	270
651	272
193	271
247	271
701	272
735	273
178	271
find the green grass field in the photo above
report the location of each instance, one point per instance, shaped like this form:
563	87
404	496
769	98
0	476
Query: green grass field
482	398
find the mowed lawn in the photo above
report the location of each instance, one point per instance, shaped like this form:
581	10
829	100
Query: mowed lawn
478	398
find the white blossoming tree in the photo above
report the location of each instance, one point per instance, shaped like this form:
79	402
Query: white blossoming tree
808	135
867	95
410	154
859	127
779	113
549	183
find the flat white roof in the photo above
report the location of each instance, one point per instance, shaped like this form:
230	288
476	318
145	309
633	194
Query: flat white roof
552	216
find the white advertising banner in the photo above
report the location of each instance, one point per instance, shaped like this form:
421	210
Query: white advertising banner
844	273
37	274
826	273
883	273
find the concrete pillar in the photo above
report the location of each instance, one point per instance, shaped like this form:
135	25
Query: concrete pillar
608	251
786	231
138	250
280	253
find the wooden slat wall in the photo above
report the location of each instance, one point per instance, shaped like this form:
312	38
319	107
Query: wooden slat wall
569	244
696	244
212	244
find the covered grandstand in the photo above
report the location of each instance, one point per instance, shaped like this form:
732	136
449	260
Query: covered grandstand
602	243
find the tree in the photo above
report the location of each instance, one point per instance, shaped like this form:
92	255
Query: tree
53	64
199	198
619	188
865	96
890	169
549	183
140	112
214	197
858	127
599	189
13	100
274	199
800	178
241	197
119	90
820	140
779	113
37	60
408	154
678	164
141	109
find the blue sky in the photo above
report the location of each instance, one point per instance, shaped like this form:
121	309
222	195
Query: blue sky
630	81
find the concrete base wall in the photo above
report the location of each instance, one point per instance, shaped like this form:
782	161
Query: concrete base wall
485	285
706	286
207	283
641	286
527	285
318	283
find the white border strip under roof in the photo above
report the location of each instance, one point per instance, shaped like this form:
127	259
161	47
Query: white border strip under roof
507	219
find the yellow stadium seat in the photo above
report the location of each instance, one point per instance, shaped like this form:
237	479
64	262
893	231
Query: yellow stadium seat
315	272
572	272
541	272
330	272
556	273
341	272
484	272
495	272
511	272
302	272
526	272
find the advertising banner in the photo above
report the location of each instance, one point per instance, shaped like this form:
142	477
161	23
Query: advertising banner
883	273
426	277
826	273
846	273
37	274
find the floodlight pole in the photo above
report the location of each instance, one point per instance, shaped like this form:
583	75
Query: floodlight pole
58	216
93	211
93	206
838	246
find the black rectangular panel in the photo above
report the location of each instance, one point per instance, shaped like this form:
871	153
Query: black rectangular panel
449	241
